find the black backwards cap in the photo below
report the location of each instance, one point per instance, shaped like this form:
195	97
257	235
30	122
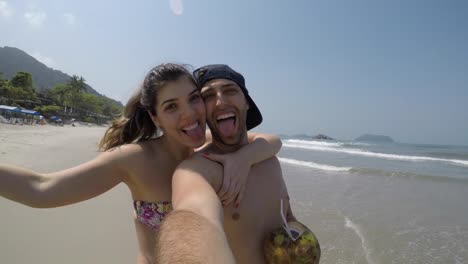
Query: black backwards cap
221	71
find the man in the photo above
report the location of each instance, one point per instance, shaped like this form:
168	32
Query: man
231	112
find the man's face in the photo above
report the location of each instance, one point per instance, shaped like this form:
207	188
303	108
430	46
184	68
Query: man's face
226	110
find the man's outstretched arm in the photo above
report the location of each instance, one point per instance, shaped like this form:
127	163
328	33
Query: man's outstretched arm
193	232
187	237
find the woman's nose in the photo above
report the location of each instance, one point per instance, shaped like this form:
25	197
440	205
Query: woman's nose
188	112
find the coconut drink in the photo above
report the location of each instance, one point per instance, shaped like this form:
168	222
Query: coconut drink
293	243
296	246
276	247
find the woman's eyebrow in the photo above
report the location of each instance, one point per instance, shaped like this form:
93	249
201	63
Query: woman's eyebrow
168	101
175	99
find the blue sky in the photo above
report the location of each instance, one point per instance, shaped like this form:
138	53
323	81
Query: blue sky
342	68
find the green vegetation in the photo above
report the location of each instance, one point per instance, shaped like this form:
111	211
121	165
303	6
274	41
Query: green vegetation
69	99
19	87
28	83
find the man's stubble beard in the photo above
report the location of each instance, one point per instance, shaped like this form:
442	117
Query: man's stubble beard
217	138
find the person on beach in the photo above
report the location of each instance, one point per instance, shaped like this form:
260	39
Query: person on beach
161	126
252	229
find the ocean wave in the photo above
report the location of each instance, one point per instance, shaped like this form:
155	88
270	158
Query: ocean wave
377	172
327	143
314	142
375	154
314	165
364	244
373	172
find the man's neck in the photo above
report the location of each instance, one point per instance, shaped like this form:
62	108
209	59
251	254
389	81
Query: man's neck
221	148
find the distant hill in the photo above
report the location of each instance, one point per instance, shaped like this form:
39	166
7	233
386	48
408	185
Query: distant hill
13	60
374	139
323	137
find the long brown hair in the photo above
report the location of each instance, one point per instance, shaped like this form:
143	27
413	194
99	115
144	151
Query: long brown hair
135	124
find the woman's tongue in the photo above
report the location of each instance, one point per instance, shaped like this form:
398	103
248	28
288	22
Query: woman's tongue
226	127
196	133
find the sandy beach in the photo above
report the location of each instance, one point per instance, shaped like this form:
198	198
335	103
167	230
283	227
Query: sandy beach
358	216
99	230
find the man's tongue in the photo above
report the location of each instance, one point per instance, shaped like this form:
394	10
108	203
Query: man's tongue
226	127
196	133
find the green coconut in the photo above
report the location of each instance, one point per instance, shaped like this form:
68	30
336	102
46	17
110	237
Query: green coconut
280	248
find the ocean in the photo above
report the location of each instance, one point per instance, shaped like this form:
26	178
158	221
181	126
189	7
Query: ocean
380	202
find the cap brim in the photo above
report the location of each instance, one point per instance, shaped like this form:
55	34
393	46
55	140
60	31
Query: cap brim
254	117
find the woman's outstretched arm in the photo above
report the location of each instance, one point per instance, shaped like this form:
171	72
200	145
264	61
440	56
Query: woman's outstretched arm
45	190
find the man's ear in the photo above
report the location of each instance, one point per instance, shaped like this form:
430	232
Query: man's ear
247	102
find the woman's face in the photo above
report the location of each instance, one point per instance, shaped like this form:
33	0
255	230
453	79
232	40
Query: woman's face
180	112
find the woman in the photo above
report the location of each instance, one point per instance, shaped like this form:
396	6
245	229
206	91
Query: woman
168	104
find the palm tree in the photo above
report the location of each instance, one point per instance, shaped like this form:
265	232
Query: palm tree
78	84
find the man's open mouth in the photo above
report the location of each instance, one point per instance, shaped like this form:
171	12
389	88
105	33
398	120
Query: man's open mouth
226	124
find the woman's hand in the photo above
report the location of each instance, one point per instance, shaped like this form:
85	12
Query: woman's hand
236	172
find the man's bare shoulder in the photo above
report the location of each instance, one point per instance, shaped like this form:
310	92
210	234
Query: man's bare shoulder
196	162
208	169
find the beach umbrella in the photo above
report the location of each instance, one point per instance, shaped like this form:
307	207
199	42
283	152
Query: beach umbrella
30	112
10	108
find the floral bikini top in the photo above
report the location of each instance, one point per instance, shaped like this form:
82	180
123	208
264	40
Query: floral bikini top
151	214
